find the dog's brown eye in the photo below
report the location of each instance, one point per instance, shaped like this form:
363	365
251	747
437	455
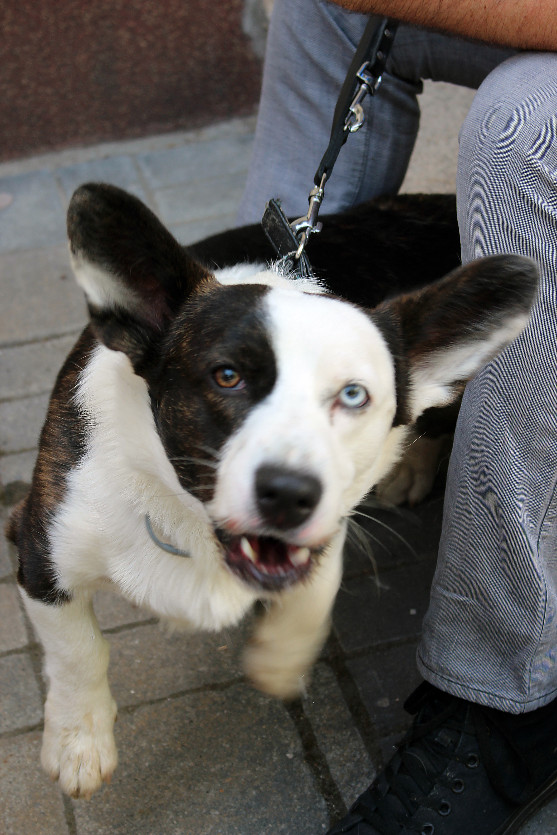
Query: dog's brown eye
227	377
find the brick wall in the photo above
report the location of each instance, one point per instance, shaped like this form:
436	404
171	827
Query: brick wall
81	71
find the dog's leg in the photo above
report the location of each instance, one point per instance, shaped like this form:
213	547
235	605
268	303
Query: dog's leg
289	636
78	743
412	478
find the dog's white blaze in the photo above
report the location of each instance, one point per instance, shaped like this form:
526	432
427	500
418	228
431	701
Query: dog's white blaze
320	345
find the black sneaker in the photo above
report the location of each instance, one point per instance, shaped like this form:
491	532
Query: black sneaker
460	768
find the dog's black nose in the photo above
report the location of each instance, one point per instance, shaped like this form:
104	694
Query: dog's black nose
285	498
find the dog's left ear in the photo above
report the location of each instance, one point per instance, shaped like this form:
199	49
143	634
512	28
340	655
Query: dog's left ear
134	273
443	334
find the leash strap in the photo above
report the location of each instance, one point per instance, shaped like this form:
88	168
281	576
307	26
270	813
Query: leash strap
363	77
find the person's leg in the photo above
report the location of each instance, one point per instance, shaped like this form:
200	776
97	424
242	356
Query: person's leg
480	755
310	46
490	634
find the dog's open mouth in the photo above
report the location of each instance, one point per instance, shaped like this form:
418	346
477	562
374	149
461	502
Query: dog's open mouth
265	562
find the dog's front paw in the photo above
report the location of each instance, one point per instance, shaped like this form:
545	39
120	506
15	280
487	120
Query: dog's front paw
412	479
80	754
269	671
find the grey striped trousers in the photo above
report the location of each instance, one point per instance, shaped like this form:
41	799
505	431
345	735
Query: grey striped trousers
490	633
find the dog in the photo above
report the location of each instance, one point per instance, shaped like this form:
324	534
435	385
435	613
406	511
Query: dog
215	426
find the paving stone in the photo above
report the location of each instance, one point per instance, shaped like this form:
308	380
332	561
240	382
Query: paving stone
543	823
196	161
32	368
20	699
118	170
29	803
6	569
54	160
337	736
35	217
368	612
17	468
385	678
200	199
21	422
214	763
147	663
38	296
13	633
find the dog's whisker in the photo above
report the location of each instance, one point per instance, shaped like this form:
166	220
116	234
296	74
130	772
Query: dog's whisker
387	528
209	449
191	459
361	538
362	535
417	438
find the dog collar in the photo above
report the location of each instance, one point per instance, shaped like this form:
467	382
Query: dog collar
164	546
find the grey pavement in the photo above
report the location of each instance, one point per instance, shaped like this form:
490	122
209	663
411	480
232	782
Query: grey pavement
201	752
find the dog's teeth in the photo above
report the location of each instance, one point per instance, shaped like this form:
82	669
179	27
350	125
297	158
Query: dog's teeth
300	556
247	549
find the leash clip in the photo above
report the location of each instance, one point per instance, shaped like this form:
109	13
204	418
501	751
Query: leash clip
370	75
303	227
370	83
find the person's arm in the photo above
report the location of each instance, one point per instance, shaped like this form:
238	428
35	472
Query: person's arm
526	24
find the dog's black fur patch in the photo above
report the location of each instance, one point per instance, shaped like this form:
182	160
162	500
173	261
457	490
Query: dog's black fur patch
222	327
62	445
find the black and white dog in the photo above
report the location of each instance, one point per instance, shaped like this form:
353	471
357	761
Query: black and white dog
214	427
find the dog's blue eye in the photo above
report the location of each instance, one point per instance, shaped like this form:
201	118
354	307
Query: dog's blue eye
227	377
353	396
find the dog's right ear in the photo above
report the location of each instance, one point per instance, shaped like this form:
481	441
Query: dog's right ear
135	275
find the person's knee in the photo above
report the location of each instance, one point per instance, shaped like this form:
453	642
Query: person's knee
508	157
506	99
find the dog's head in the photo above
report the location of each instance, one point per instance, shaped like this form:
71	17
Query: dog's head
278	406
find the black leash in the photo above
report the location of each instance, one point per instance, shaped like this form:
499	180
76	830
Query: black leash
364	77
